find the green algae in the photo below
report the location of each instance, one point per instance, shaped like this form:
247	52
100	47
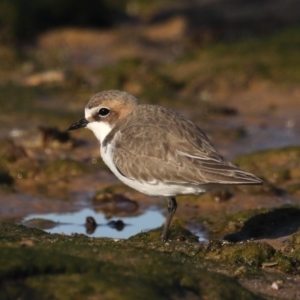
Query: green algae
284	263
77	265
249	258
63	168
234	222
272	57
293	189
36	174
152	84
15	159
39	105
177	233
272	223
252	254
40	223
255	224
279	168
275	165
16	233
89	267
11	153
294	247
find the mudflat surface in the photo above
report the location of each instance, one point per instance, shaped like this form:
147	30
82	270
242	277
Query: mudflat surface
241	88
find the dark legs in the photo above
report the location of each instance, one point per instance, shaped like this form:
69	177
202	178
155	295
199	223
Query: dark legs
172	206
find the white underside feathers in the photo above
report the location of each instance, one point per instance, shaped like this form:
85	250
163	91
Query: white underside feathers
154	188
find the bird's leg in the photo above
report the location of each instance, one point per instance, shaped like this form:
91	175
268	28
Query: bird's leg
172	206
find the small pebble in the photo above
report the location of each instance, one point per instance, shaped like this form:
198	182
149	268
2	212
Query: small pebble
275	286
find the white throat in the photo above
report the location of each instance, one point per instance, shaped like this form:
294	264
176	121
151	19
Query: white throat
100	129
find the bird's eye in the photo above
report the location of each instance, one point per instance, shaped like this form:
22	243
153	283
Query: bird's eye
103	112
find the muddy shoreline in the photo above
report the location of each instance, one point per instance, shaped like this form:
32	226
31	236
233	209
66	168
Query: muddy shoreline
242	91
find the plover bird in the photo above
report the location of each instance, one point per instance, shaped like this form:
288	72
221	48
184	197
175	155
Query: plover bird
156	150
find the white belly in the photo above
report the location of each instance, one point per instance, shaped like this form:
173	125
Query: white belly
154	188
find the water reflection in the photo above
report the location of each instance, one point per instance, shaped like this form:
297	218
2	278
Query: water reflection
114	204
91	225
199	230
95	224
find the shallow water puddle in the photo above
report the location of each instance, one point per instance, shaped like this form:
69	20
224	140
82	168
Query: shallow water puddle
76	222
93	224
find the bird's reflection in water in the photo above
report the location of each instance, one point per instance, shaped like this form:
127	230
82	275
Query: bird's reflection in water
118	225
91	225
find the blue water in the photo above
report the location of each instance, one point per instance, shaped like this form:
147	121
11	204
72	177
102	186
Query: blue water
74	223
70	223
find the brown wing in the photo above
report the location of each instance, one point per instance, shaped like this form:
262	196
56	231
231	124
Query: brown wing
169	148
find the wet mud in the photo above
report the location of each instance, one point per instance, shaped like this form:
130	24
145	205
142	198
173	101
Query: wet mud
68	226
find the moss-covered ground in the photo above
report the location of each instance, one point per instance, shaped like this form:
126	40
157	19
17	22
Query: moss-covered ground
239	91
38	265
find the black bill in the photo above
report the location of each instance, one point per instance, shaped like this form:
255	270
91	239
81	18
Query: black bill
81	123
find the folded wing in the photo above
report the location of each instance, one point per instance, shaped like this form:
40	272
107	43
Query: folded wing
171	149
